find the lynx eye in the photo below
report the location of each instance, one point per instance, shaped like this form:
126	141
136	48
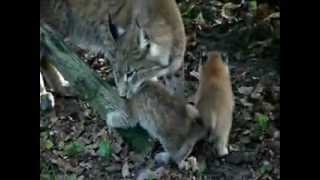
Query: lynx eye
148	46
143	40
131	74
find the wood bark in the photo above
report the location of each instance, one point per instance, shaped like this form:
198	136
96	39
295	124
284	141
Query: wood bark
85	81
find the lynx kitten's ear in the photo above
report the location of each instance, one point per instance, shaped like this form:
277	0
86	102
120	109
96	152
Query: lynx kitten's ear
192	111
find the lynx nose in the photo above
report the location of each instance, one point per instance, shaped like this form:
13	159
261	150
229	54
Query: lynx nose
122	92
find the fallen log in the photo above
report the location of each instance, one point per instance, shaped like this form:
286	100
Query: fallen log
88	86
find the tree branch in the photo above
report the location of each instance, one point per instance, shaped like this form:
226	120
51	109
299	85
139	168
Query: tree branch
90	87
86	83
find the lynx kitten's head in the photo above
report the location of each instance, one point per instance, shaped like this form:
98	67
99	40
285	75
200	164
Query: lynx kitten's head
215	68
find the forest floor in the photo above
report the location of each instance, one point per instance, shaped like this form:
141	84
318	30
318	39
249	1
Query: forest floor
75	143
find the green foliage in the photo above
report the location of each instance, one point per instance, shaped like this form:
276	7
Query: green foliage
253	6
73	149
137	138
70	177
152	177
190	10
45	143
104	148
265	168
262	123
262	120
47	170
200	175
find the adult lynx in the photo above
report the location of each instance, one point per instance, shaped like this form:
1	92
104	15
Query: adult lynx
162	35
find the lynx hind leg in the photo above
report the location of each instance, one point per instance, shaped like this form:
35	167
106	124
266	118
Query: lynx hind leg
55	79
222	143
177	156
185	150
222	134
180	156
174	152
46	98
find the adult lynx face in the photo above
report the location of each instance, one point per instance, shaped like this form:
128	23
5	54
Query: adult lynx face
133	61
155	48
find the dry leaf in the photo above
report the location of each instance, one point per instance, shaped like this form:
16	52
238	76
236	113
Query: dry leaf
125	170
245	90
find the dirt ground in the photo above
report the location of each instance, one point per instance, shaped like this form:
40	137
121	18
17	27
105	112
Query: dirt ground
76	144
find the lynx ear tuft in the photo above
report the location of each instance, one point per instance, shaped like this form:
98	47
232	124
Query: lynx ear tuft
115	31
137	23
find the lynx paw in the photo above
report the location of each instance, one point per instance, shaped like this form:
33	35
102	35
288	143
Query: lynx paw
65	83
65	89
46	101
190	163
162	158
222	151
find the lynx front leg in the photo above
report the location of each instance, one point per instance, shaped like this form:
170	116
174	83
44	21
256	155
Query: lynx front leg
180	153
175	153
164	158
46	98
55	79
117	120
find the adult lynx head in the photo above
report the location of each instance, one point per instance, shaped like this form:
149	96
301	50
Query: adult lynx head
155	48
134	58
